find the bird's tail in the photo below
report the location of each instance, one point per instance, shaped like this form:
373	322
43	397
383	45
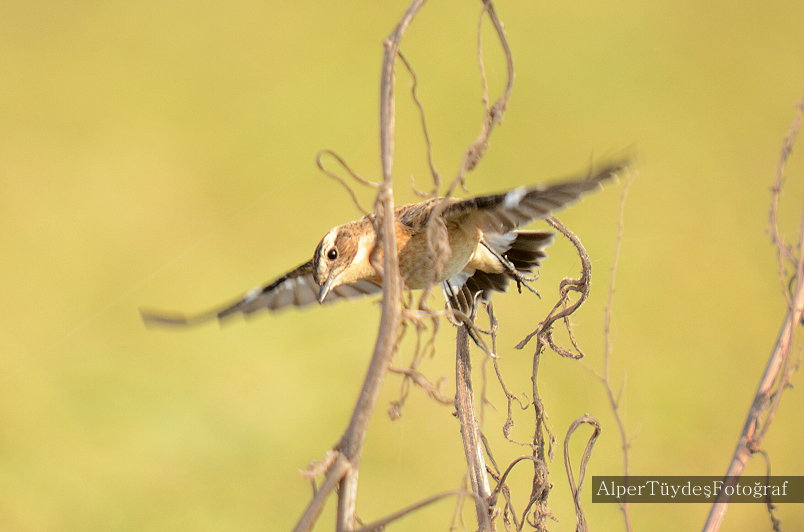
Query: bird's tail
519	252
527	250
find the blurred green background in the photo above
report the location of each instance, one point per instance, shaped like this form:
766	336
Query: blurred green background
161	154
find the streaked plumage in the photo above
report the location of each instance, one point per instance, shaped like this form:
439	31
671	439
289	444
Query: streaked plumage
484	251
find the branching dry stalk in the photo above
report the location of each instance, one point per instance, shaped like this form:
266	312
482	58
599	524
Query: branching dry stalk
776	376
614	400
340	468
351	444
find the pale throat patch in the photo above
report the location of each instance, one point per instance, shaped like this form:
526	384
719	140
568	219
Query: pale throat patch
359	267
365	244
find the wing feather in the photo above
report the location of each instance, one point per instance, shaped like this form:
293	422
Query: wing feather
296	288
505	212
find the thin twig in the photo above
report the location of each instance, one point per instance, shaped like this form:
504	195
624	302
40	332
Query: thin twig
425	132
382	523
614	402
319	161
420	380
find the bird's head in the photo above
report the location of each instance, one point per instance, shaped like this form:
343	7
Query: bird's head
333	258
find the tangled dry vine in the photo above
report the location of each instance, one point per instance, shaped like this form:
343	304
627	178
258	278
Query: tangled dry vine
341	466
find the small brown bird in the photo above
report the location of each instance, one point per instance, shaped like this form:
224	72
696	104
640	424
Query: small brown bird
483	251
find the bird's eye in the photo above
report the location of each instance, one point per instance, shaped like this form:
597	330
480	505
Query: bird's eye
332	254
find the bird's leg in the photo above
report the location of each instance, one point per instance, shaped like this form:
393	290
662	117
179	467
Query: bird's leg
451	296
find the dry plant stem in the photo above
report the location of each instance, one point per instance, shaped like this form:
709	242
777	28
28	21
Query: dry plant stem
470	434
425	132
750	440
380	524
319	161
543	334
352	442
581	525
776	376
541	483
608	348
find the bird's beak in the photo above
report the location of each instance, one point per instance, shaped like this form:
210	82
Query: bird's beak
324	290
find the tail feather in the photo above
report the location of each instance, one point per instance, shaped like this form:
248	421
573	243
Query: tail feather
521	250
526	250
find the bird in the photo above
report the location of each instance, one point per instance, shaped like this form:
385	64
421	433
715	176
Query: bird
478	250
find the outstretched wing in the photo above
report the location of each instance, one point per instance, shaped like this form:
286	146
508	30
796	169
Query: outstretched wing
296	288
501	213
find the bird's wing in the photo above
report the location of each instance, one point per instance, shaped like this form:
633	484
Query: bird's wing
296	288
501	213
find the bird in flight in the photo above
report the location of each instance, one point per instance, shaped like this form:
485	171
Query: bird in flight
483	251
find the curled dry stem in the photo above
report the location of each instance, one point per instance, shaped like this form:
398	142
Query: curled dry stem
576	488
543	437
563	308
